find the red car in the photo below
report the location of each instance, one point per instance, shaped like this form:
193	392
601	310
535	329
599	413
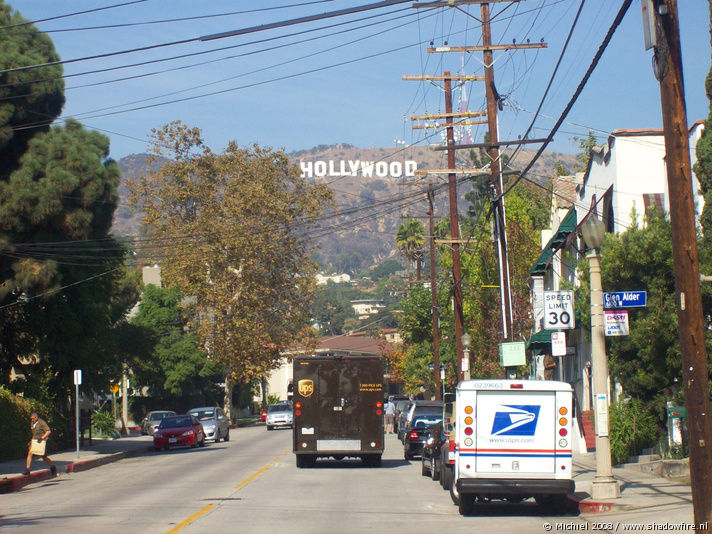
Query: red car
177	431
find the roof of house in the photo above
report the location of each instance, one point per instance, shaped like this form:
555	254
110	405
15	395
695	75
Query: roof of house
354	344
564	188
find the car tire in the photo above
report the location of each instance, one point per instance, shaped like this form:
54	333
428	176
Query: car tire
407	455
445	477
434	470
423	471
270	427
227	435
201	443
467	504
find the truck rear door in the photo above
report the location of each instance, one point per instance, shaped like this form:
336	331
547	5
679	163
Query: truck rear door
515	433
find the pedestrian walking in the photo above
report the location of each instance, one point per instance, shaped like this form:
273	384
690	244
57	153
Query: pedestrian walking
38	444
390	416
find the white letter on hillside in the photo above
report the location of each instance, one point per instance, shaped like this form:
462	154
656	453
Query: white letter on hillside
307	169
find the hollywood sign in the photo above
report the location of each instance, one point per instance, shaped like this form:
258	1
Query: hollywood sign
380	169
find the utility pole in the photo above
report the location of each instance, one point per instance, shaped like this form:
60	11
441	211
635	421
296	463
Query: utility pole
691	332
454	229
493	144
434	294
500	224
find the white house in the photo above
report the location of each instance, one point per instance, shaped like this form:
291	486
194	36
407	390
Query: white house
625	175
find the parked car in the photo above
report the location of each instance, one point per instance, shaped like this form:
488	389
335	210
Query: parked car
417	407
280	414
152	420
179	430
215	423
431	458
418	432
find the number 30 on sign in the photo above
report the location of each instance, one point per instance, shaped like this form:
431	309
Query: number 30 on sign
559	310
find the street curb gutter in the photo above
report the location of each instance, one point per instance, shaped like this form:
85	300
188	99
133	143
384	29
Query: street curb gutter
16	483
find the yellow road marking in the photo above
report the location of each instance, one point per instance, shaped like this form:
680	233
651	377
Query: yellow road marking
250	479
188	521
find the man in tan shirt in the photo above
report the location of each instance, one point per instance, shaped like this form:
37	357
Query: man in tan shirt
40	432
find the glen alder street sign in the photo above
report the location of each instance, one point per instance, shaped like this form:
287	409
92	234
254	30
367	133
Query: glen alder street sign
559	310
625	299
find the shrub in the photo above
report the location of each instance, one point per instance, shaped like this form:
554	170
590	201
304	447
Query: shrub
103	422
15	415
632	428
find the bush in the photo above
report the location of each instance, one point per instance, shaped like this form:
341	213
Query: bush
15	415
632	428
103	422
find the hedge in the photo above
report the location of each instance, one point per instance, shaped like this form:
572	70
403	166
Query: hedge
15	416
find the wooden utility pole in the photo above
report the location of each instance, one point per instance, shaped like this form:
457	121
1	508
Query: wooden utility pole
496	169
434	295
454	229
691	332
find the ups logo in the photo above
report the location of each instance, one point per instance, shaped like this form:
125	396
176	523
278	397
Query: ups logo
305	388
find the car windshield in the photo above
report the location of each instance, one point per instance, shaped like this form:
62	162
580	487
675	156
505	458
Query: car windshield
203	415
423	422
157	416
279	408
175	422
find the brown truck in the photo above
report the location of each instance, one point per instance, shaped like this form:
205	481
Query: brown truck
338	408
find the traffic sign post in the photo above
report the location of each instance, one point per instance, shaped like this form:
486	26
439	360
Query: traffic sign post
559	310
77	383
616	323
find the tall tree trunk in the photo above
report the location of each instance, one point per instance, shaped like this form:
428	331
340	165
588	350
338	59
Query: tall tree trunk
227	401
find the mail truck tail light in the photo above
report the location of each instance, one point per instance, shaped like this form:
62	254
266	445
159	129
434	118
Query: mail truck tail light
563	432
563	421
468	431
563	410
468	409
516	386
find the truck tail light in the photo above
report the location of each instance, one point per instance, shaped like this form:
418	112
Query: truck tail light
298	412
516	386
413	435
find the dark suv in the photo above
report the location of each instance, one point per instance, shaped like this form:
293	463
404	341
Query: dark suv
422	416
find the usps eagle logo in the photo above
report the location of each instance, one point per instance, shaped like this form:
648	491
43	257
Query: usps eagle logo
517	420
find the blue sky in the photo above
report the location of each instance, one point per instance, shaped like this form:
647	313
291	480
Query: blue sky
297	96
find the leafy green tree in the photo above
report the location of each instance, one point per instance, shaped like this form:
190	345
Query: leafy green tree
585	144
410	240
385	269
60	271
647	362
330	309
173	365
238	226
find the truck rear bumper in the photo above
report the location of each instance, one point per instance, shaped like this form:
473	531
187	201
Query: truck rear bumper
499	486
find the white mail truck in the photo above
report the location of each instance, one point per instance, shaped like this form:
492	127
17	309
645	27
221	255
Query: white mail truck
513	442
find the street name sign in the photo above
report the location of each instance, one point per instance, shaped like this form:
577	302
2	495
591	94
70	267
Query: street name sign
559	310
616	323
625	299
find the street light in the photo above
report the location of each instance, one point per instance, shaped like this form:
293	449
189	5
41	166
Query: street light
604	486
466	342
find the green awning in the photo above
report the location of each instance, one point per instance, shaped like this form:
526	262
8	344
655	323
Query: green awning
565	228
540	340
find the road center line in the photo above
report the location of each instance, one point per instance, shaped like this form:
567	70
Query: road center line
250	479
188	521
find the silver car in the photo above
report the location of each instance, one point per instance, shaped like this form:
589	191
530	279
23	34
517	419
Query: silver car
215	423
280	414
152	420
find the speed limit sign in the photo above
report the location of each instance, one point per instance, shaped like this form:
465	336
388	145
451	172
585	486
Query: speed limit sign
559	310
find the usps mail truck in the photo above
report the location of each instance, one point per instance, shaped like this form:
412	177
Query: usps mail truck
513	442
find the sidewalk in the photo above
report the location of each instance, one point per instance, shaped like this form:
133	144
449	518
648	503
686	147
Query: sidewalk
102	451
639	491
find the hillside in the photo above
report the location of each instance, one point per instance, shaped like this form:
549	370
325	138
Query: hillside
372	193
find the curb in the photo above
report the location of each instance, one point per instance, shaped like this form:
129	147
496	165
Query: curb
586	506
16	483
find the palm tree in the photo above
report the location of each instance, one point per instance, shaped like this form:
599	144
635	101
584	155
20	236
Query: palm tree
410	240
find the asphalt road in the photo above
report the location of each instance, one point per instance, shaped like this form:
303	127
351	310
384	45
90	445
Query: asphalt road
251	485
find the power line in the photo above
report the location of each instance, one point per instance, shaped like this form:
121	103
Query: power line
233	33
76	13
579	89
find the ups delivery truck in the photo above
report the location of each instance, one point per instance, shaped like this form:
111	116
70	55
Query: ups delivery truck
338	408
